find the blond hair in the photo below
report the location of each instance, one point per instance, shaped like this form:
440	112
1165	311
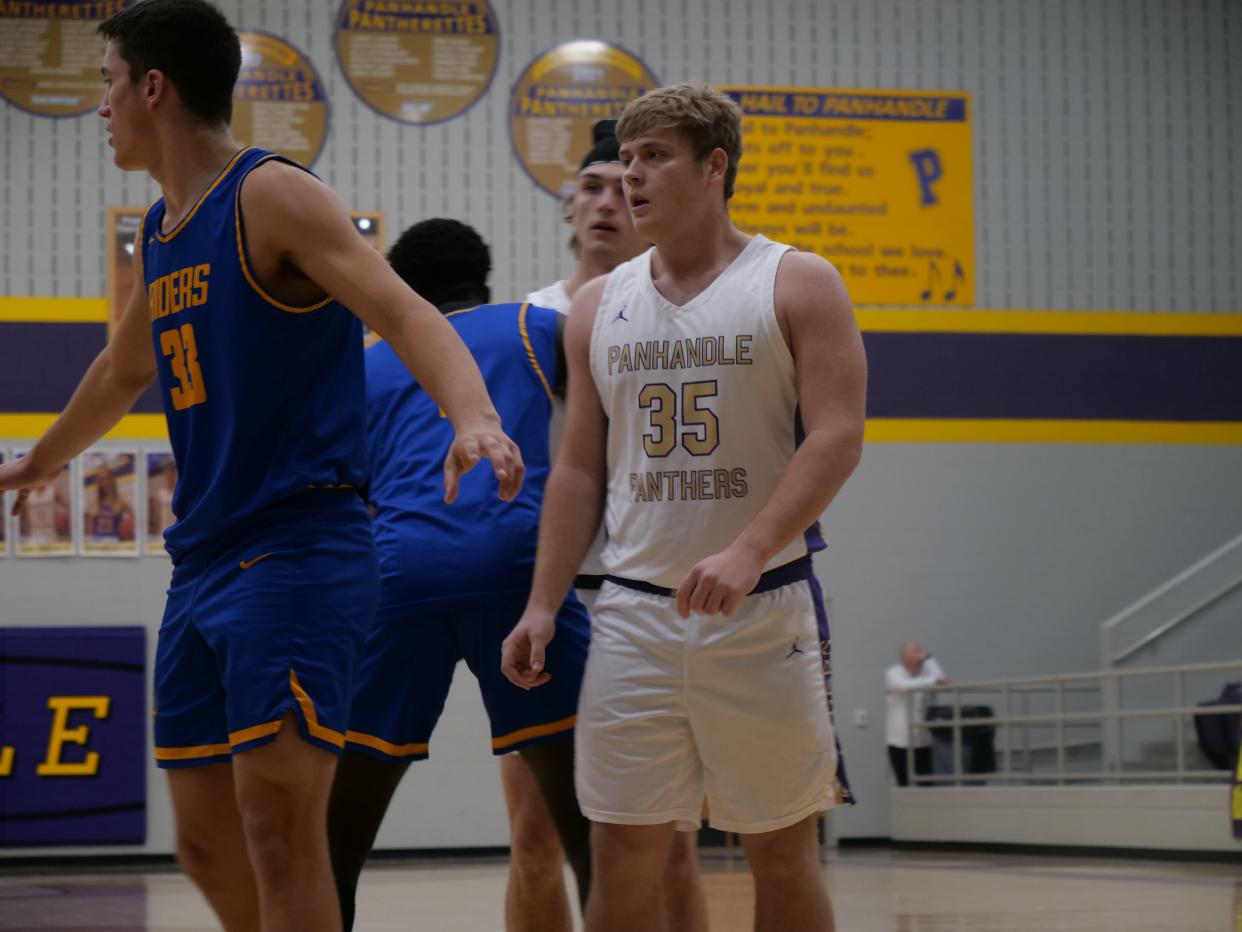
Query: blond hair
709	119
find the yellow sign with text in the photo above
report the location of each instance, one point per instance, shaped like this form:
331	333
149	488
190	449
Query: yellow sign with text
878	182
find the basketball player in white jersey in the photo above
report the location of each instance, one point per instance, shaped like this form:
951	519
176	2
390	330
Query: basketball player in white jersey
603	237
716	407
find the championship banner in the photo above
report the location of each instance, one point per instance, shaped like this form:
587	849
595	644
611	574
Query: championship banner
878	182
73	725
279	102
50	54
560	96
418	62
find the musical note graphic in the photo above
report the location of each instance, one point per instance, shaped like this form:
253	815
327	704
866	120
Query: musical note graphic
959	278
933	276
957	281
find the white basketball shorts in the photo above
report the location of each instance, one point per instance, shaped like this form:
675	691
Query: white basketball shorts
728	709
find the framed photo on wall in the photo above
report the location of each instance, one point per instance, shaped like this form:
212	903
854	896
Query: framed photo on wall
122	227
4	513
108	503
45	522
161	475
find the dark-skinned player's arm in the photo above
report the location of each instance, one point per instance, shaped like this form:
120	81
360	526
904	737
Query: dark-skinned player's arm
573	501
815	316
297	215
111	385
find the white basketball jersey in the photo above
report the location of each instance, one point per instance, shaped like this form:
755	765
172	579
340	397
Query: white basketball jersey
701	403
556	297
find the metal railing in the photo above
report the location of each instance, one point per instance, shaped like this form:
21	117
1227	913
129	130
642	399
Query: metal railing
1016	721
1111	655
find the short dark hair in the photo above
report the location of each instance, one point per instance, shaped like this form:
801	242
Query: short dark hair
188	40
444	260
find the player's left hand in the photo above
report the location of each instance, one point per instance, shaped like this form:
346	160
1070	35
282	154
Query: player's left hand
483	438
717	584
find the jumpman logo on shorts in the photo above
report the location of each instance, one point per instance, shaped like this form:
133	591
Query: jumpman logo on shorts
621	314
794	650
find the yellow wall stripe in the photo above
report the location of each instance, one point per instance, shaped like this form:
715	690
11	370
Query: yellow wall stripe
152	427
1119	323
32	310
920	430
20	309
130	427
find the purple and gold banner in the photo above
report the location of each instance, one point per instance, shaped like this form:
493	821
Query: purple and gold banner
73	745
559	98
50	54
418	62
279	101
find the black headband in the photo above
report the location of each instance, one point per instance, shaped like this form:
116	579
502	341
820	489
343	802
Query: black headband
606	148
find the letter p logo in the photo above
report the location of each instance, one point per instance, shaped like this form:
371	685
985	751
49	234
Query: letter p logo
928	170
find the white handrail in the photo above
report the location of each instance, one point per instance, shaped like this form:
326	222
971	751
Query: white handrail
1207	667
1109	719
1176	620
1172	583
1107	656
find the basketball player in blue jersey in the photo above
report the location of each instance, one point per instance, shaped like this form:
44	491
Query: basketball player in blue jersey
716	407
251	269
454	579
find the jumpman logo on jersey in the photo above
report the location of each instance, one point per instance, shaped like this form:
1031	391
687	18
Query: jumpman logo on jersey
794	650
621	314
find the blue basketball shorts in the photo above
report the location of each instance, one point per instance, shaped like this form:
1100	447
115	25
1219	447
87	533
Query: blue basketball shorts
408	666
268	620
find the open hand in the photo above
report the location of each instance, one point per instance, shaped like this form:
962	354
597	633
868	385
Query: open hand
483	439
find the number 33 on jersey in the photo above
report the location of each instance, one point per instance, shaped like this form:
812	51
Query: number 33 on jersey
261	397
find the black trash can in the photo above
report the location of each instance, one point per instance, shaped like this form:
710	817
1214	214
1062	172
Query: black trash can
978	743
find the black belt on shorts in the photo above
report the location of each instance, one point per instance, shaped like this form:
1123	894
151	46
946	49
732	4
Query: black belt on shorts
588	581
783	575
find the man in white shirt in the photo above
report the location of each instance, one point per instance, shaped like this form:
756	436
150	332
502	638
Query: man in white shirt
917	672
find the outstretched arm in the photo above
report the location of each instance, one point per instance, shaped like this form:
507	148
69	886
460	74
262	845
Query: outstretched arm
297	217
111	385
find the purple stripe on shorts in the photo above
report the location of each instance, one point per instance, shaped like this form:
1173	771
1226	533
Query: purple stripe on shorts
825	652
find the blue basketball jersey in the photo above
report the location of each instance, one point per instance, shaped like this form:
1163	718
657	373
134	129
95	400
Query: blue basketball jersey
263	400
478	546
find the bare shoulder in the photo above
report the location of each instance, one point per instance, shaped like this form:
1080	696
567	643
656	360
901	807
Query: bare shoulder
279	191
807	283
583	309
